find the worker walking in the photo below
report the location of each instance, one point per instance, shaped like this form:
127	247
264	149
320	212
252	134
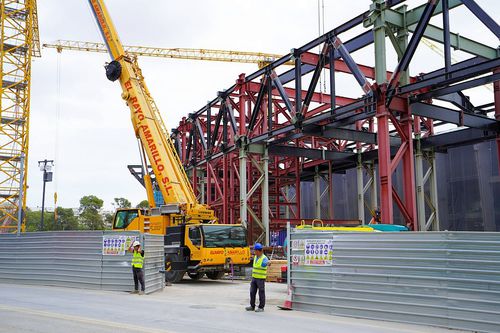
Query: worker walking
137	267
259	274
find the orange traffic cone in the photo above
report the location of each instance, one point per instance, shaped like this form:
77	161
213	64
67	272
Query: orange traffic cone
287	305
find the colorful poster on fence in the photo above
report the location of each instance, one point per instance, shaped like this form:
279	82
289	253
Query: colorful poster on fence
318	252
115	245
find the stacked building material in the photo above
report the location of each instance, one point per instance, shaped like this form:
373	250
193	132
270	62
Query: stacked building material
274	270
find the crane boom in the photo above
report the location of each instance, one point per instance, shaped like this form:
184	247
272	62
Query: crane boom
148	125
248	57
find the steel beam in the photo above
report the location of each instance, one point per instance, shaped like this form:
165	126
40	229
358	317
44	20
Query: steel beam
482	16
456	117
328	131
457	74
457	138
458	42
412	46
314	154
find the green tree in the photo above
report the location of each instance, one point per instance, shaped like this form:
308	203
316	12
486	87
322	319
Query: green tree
66	219
108	220
122	203
143	204
34	217
32	220
90	217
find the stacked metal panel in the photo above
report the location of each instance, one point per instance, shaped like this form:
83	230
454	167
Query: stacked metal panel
448	279
154	247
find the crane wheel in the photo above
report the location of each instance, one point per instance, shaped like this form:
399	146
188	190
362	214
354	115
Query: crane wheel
216	275
196	276
170	274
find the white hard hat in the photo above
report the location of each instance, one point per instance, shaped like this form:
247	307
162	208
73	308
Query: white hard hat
135	243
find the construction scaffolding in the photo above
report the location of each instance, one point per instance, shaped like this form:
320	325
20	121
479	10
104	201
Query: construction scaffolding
19	42
248	150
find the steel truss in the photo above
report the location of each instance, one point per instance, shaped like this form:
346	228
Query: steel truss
248	149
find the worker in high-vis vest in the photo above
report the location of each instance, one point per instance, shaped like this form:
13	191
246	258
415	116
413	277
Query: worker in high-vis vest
137	267
259	274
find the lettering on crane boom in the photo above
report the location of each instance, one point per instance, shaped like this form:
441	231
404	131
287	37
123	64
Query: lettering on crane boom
102	22
160	167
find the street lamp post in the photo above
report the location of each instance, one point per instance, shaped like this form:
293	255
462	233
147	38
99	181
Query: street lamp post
46	167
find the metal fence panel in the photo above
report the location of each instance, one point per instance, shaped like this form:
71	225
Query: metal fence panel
75	259
117	269
154	248
71	259
449	279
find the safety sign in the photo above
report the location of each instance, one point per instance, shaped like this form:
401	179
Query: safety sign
116	245
318	252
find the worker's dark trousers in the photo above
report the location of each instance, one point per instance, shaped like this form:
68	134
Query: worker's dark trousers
138	277
254	285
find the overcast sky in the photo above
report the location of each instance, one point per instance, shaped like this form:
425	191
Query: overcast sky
91	137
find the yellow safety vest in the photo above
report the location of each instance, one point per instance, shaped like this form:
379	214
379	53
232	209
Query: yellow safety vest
137	260
258	271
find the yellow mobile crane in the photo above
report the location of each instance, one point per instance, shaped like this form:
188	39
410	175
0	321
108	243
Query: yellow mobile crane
194	242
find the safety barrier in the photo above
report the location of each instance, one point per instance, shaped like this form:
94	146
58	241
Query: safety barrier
80	259
448	279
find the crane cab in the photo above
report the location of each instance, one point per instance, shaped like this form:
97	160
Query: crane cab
193	247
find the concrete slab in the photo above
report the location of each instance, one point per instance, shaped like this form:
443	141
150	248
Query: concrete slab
191	306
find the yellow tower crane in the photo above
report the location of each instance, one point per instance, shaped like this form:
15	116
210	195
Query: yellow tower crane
19	42
259	58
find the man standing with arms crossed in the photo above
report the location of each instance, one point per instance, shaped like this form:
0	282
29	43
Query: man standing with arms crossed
259	274
137	267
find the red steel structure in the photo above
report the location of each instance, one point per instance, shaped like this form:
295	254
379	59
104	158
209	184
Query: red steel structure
248	149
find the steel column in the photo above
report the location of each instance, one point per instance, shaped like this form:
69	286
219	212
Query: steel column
265	195
243	186
496	89
361	192
419	180
382	114
409	172
287	207
317	195
379	43
208	181
330	190
384	161
434	220
202	188
225	189
373	187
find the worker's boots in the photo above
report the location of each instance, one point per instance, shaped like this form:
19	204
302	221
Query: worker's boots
250	308
141	292
259	310
134	292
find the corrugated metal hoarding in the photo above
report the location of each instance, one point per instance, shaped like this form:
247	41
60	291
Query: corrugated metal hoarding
448	279
80	259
